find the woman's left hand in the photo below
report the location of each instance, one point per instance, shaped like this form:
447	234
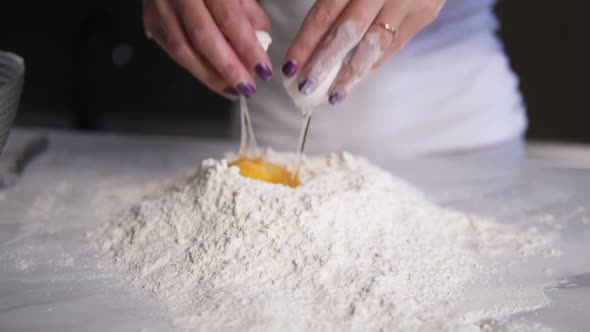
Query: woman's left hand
374	29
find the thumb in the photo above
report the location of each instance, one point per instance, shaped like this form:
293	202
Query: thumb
256	15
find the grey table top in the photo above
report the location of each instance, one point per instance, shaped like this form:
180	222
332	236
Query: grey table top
51	279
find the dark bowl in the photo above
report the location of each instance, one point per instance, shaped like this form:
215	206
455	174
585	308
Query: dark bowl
12	76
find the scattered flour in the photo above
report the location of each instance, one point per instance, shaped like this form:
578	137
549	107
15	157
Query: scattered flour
352	248
517	325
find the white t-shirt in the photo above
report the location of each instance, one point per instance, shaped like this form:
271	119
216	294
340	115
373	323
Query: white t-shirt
449	90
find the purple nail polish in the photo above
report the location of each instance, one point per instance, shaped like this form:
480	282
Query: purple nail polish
247	89
230	91
263	71
289	68
307	86
336	97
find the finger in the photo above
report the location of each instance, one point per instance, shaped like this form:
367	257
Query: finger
165	29
373	46
256	15
236	26
343	37
418	18
148	16
316	24
205	37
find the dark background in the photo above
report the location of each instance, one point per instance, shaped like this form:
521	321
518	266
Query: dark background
89	66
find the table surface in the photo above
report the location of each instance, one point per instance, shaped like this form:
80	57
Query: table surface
52	280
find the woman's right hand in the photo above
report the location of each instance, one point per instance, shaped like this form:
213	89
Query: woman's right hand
215	40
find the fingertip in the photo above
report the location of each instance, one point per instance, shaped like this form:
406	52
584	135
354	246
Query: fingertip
230	92
263	71
246	88
337	97
307	86
290	68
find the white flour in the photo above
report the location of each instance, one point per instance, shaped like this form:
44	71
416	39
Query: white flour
352	248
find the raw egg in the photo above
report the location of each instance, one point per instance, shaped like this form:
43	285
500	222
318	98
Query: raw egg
263	170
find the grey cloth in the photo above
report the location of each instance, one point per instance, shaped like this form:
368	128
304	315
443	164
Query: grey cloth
12	71
18	156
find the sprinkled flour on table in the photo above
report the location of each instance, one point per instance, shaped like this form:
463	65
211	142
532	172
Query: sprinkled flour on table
352	248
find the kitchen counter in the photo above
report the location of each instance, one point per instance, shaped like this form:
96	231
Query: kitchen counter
52	280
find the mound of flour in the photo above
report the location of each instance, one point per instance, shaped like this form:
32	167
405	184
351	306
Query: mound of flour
352	248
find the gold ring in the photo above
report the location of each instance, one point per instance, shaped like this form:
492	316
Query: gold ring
392	29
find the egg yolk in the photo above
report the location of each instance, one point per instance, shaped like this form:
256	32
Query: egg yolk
263	170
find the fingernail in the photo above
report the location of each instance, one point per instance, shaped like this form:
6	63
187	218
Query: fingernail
307	86
247	89
230	91
289	68
336	97
263	71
